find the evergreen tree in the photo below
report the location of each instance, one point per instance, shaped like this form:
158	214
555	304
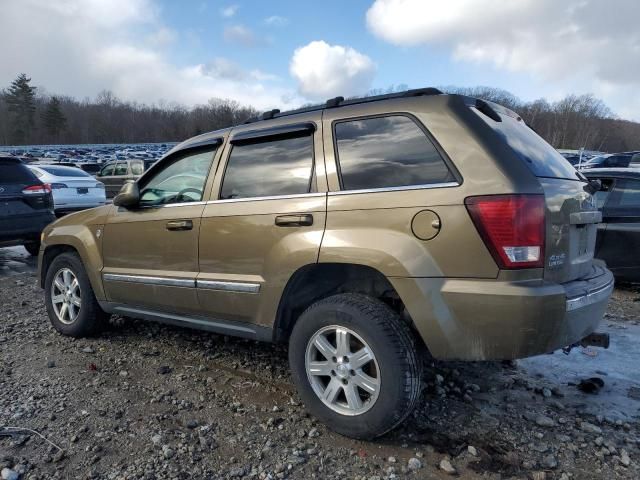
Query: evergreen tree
21	105
53	119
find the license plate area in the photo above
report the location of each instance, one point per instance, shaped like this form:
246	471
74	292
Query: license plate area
83	190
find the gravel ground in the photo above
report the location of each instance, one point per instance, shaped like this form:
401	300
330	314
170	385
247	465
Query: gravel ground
146	401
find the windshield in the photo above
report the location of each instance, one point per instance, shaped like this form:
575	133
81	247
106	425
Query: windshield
542	159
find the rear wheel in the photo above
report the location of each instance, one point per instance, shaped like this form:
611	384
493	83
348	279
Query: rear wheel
71	304
33	248
355	365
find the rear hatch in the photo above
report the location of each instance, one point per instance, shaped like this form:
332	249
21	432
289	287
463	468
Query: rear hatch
571	215
21	193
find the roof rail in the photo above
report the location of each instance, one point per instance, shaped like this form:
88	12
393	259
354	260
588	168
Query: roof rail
334	102
340	101
270	114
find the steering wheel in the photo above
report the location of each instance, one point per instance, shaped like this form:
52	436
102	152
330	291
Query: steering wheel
182	192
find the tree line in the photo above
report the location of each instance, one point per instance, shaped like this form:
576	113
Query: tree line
29	117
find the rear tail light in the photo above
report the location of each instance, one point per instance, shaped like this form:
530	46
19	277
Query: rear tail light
512	227
99	185
37	189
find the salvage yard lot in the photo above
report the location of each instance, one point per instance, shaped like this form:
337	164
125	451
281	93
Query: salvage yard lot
148	401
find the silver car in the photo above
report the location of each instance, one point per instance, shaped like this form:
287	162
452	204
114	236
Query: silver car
73	189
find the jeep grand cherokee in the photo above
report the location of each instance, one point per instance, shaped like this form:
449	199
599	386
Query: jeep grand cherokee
361	232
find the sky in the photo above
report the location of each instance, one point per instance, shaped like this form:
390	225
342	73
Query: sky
285	53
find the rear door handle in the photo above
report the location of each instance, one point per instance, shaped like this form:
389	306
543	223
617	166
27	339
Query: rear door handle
295	220
177	225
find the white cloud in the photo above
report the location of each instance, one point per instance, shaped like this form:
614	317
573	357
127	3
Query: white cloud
324	70
162	37
241	35
223	68
80	47
589	44
229	11
276	21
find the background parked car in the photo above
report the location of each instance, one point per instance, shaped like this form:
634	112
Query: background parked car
115	174
73	189
612	160
618	241
26	205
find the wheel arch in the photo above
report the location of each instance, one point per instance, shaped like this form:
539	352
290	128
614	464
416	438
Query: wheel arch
86	248
314	282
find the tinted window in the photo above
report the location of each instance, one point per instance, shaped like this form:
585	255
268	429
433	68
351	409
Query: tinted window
542	159
619	161
277	167
137	168
601	195
65	172
121	168
387	152
11	172
181	180
626	195
107	170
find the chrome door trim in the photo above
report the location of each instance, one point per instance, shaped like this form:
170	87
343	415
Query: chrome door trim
272	197
241	287
396	189
149	280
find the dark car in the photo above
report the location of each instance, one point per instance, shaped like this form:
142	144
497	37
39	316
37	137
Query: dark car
612	160
115	174
26	205
618	241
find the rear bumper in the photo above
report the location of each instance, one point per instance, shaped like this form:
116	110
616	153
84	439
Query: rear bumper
16	230
470	319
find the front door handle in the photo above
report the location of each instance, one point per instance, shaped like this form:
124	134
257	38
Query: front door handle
295	220
178	225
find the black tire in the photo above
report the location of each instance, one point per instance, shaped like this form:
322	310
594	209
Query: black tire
394	347
90	318
33	248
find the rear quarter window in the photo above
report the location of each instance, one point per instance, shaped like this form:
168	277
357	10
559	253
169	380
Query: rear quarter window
542	159
386	152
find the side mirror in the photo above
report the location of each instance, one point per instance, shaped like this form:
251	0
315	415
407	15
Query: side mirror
129	196
593	186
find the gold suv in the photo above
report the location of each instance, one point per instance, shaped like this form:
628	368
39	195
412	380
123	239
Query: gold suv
361	232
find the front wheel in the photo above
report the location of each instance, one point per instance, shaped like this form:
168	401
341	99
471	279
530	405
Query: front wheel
71	304
355	365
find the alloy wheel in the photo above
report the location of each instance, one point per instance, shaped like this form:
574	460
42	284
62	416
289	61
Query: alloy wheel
342	370
66	296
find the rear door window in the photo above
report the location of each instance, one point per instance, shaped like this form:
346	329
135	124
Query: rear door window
269	168
542	159
386	152
121	169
